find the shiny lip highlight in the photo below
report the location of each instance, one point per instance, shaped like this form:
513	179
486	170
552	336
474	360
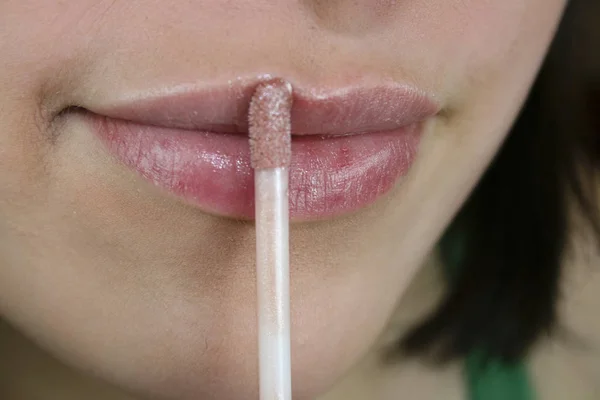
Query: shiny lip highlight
350	145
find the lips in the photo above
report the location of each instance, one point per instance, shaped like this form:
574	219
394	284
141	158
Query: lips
349	146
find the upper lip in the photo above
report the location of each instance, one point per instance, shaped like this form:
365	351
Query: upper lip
223	108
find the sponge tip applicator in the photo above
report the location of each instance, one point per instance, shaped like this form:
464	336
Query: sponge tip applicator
270	125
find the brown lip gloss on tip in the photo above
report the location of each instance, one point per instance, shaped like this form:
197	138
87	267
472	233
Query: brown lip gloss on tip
270	125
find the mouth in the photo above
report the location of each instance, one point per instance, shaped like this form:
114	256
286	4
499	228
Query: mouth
349	145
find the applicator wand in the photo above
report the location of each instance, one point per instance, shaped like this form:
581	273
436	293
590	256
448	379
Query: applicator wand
270	150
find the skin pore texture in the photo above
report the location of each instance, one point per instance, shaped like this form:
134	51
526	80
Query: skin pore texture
150	295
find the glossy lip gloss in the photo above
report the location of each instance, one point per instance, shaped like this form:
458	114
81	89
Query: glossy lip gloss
349	145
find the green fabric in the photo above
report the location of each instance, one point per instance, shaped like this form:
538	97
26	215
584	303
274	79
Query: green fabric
496	381
491	380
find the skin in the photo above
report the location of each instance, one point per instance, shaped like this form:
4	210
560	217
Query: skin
125	282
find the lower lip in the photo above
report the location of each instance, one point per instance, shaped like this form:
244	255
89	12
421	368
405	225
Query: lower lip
329	176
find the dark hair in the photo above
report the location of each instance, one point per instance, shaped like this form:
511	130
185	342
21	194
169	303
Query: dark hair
513	232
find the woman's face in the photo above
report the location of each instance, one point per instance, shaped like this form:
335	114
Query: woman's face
112	259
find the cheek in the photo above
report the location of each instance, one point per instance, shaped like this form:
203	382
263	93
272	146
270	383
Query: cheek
487	42
466	49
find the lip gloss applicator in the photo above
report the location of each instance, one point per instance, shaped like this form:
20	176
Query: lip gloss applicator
270	149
